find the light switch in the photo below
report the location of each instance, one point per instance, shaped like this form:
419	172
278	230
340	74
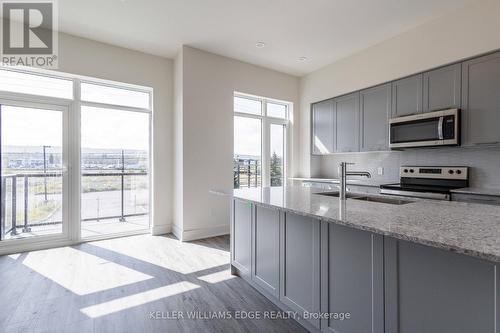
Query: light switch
380	171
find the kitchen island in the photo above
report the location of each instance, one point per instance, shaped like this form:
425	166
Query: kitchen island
370	265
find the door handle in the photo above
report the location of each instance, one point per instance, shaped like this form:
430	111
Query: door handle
440	128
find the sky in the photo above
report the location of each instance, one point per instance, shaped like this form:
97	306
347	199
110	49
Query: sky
31	127
114	129
101	128
247	137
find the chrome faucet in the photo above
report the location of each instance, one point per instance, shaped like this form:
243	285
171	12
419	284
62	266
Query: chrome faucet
343	173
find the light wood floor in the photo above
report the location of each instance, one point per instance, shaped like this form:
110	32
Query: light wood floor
118	285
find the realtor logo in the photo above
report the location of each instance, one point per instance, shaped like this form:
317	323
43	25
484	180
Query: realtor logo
29	33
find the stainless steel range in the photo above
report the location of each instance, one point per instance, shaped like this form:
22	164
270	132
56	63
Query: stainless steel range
428	182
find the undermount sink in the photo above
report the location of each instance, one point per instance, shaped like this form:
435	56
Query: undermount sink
390	201
336	194
370	198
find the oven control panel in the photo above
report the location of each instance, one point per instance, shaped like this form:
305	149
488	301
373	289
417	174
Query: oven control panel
459	173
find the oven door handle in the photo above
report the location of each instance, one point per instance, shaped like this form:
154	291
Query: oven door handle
440	128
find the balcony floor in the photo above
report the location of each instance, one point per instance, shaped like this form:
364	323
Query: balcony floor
89	228
114	226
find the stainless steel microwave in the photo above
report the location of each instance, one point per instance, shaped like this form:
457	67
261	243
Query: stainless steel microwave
438	128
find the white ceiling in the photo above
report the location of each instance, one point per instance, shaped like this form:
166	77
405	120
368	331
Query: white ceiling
321	30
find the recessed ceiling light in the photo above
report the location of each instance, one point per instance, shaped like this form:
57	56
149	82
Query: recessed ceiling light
302	58
260	45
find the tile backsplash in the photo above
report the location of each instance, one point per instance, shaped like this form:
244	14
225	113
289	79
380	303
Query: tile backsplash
484	163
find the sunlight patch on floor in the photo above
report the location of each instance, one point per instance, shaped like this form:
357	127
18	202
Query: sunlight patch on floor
123	303
168	253
14	256
217	277
95	274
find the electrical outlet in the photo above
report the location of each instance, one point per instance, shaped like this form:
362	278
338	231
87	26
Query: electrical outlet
380	171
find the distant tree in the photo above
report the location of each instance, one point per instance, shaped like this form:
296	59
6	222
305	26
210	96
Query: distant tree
276	170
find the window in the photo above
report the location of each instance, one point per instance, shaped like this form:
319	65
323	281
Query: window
276	110
246	105
112	95
73	165
35	84
260	141
248	152
114	171
277	153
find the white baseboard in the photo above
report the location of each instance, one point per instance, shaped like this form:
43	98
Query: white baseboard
163	229
177	231
189	235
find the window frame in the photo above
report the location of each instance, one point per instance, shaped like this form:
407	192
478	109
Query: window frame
72	234
266	122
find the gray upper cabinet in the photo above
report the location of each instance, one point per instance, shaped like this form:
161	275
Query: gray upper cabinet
266	249
375	109
431	290
481	100
300	264
352	279
407	96
358	121
322	119
347	123
442	88
242	236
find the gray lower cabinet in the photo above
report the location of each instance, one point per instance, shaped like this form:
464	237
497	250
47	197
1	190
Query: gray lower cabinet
481	100
407	96
383	284
431	290
352	279
241	241
300	265
442	88
266	249
375	110
322	128
347	123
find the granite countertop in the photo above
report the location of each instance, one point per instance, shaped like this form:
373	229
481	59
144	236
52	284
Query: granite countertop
467	228
478	190
316	180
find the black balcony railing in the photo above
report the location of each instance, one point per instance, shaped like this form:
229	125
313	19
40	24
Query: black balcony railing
10	186
247	173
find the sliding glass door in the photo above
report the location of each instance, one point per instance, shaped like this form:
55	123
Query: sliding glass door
33	176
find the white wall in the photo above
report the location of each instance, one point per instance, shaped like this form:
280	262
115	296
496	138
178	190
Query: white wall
86	57
209	82
463	33
178	145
